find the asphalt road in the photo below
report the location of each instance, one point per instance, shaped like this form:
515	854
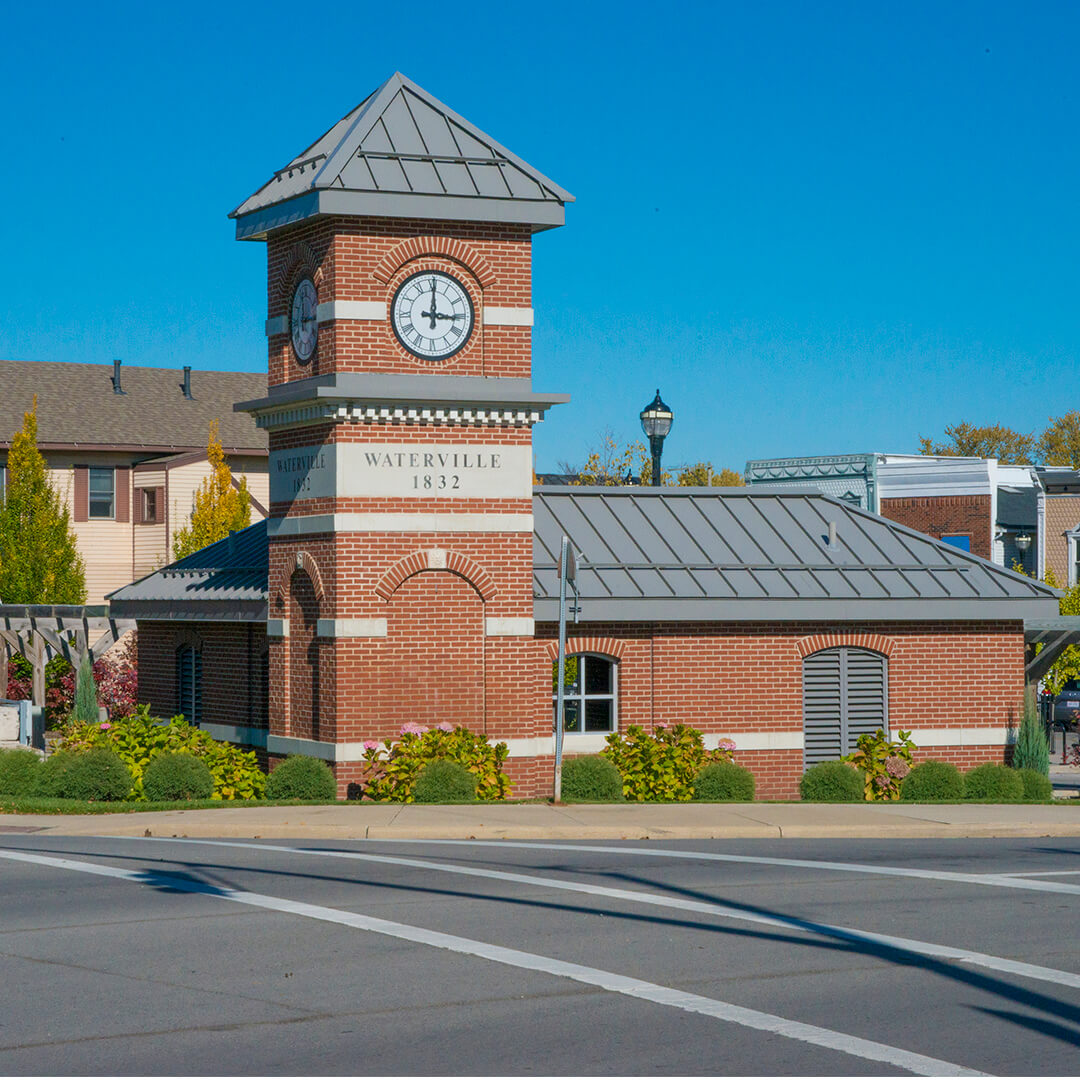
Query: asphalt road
149	956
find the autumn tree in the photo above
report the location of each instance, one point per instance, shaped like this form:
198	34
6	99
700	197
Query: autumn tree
702	474
39	560
219	506
1059	444
991	441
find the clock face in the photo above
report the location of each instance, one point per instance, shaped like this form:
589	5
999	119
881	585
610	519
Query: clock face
432	315
302	321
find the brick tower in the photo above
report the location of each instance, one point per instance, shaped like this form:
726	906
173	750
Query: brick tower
399	412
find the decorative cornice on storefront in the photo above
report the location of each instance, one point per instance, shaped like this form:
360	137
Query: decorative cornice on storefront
351	628
396	414
390	522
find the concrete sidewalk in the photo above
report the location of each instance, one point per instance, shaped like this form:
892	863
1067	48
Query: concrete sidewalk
533	821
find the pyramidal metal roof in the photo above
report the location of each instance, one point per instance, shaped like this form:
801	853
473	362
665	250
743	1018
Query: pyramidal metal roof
403	153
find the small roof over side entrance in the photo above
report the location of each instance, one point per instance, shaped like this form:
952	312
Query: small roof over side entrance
403	153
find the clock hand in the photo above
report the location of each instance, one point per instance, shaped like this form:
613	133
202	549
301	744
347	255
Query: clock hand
434	306
440	315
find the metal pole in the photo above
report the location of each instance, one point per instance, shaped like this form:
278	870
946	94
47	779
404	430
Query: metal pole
560	702
656	446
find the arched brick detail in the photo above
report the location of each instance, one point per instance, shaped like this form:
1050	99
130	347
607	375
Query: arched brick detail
300	261
419	246
816	642
305	562
605	646
436	559
187	635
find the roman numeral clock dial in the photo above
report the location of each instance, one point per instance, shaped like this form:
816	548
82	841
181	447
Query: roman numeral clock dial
432	315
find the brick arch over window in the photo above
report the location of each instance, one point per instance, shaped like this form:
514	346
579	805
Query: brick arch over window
601	646
419	246
299	262
435	559
874	642
187	635
305	561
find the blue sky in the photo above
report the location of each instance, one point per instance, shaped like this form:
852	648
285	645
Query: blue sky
818	228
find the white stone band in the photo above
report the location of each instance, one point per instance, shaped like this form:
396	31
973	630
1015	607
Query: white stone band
509	627
359	310
351	628
508	316
277	627
278	325
960	736
395	523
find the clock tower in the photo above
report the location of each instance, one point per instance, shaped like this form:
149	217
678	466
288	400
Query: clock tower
399	411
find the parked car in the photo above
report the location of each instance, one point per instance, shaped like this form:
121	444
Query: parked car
1067	704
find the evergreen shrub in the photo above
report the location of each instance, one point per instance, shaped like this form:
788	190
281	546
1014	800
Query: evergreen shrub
19	771
177	777
933	780
993	783
831	781
95	775
591	778
1037	787
85	710
1031	750
444	781
724	782
301	777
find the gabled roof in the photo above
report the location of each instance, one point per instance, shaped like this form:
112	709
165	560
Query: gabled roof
77	407
403	153
677	554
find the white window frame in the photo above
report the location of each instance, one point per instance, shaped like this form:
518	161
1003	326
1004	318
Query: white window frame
1073	539
583	697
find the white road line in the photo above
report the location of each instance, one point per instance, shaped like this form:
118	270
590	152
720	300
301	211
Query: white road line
1040	873
605	980
842	933
1003	881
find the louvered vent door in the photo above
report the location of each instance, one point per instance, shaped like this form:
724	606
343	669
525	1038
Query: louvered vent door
844	696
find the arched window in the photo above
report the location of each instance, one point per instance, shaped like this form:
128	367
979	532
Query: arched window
189	683
845	695
590	696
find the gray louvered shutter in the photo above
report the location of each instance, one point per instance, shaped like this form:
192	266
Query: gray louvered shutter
822	704
845	695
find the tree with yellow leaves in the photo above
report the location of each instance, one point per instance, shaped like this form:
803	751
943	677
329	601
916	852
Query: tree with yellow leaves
219	507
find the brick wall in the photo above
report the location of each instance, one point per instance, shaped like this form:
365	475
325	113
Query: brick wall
946	515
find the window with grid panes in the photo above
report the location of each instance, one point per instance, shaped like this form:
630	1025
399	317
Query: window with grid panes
102	493
589	702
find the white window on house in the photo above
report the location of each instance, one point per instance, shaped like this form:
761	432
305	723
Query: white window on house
845	695
1074	555
102	493
189	683
589	702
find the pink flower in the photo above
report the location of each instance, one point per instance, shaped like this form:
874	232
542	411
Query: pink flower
413	729
445	726
897	767
105	725
726	744
371	745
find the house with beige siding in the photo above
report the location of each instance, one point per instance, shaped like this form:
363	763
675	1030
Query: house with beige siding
1059	523
126	450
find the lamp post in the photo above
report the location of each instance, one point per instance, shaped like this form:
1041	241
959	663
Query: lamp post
656	421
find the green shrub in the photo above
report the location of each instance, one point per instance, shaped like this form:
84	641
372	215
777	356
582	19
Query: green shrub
1037	787
176	777
993	783
724	782
19	772
85	710
392	767
831	781
1031	750
444	781
94	775
140	737
591	779
933	780
883	764
662	766
300	777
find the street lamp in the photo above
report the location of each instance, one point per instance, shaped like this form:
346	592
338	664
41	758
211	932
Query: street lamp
1023	542
656	421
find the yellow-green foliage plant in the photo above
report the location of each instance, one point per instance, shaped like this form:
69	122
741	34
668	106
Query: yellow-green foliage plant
139	738
884	764
394	765
661	767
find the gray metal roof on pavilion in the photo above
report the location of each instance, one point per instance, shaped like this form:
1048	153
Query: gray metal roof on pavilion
676	554
403	153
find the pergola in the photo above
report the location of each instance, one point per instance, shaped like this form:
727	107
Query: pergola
1055	636
41	631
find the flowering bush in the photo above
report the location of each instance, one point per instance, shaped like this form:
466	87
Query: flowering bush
884	764
393	767
140	737
663	765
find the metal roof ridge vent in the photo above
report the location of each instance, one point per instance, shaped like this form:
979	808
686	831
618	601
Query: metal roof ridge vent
116	387
187	381
830	541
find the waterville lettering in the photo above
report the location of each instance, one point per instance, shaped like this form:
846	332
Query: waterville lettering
377	459
303	464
